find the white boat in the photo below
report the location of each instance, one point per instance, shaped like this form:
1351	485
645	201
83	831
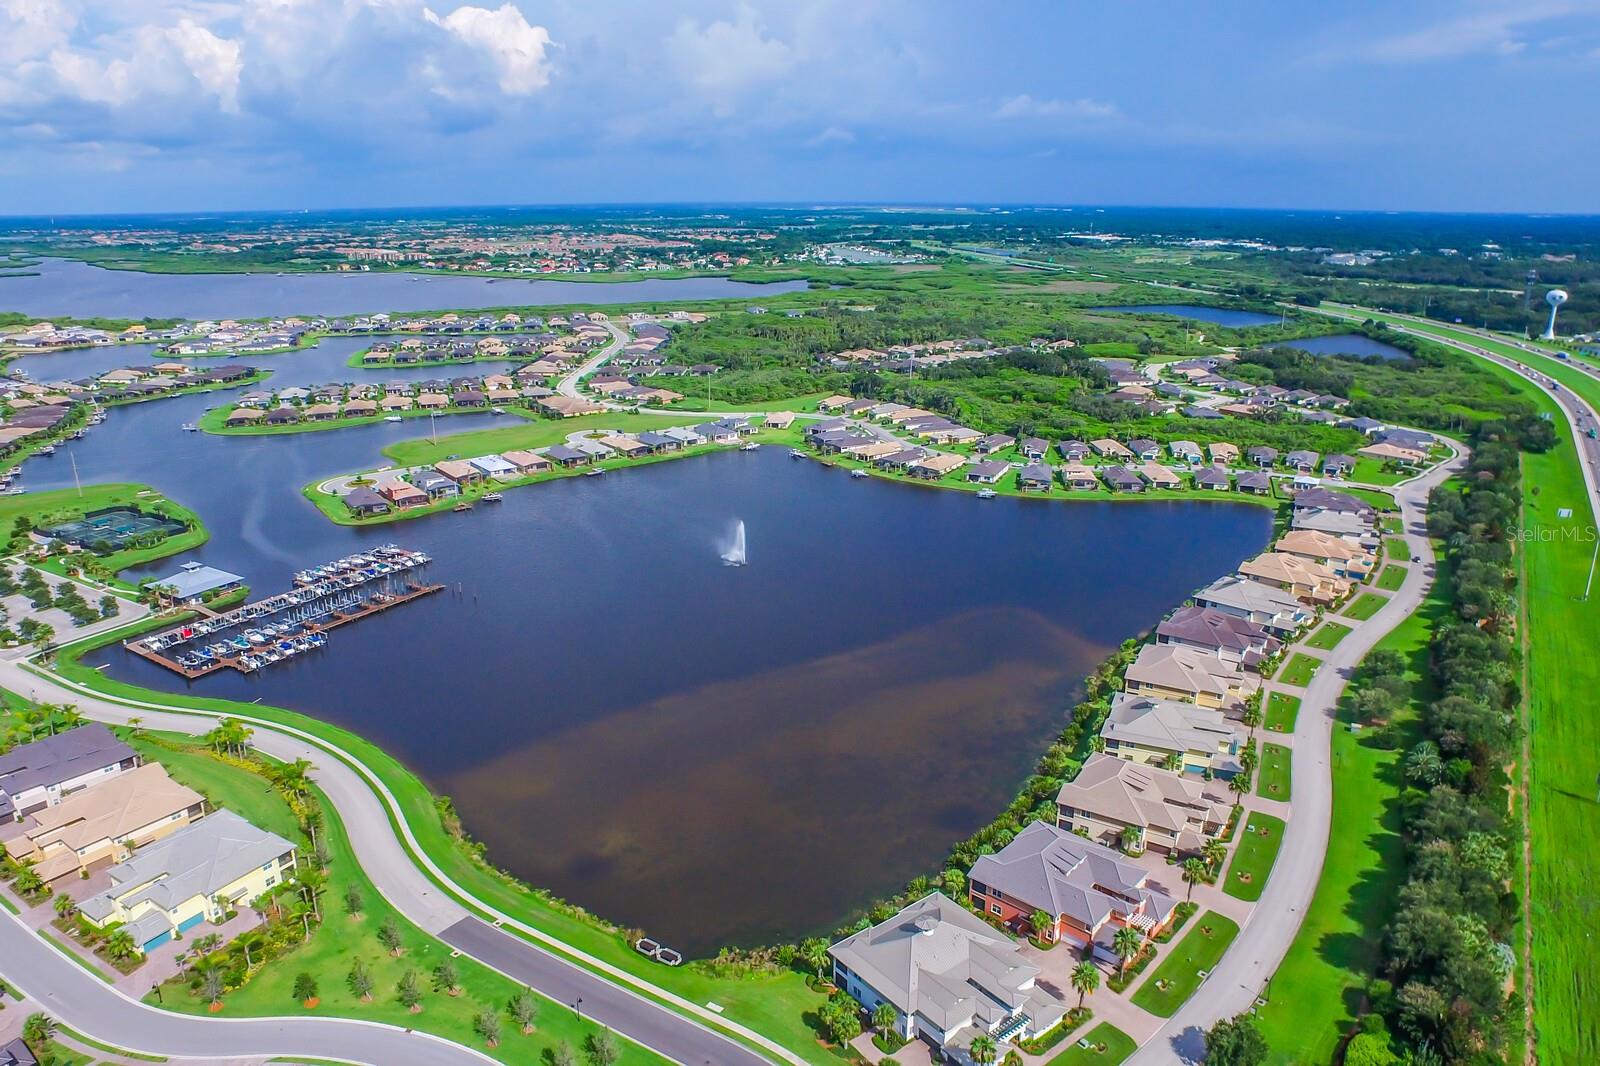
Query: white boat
393	418
987	494
190	427
796	453
492	497
858	473
750	446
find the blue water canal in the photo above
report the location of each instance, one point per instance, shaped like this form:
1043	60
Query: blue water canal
714	754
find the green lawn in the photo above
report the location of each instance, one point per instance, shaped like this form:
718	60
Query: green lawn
1370	471
522	434
1259	840
1365	606
1178	975
1392	577
1272	775
1327	636
1282	710
341	938
1118	1046
44	508
1298	670
1396	548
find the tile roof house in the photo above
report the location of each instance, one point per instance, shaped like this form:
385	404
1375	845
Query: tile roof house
1160	477
1351	526
987	471
1078	476
1212	477
948	975
1121	479
1309	581
1257	482
1181	672
193	580
1346	558
174	884
1332	500
1233	639
1090	889
42	773
1153	731
1281	613
1173	812
107	823
1035	478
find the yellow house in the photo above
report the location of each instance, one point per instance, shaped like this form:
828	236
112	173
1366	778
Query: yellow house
1160	732
106	823
200	872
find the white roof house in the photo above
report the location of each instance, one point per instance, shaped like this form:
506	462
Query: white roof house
493	466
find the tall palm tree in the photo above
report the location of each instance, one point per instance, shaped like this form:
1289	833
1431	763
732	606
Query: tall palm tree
295	776
1194	871
1127	943
1215	852
1085	979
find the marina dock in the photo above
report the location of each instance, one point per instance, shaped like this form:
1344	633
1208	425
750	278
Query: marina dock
281	627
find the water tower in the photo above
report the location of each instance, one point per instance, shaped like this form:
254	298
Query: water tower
1555	298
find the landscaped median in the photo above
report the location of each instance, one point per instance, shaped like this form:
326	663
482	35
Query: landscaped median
1259	840
1365	606
1185	965
762	1006
1282	710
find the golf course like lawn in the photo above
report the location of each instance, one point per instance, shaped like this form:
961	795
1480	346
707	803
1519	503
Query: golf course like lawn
1298	670
1179	973
1365	606
1118	1046
1392	577
1282	710
1254	855
1328	636
1272	775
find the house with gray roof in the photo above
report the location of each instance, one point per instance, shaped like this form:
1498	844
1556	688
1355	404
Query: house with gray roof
40	774
1119	802
193	581
1156	731
1232	638
200	872
948	975
1088	888
1277	610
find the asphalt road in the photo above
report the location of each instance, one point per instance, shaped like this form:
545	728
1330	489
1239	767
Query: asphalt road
71	989
70	994
1265	936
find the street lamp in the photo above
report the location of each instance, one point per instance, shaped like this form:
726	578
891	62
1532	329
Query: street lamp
578	1007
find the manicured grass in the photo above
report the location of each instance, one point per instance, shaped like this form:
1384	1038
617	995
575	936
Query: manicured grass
1370	471
247	795
535	433
342	938
1392	577
1282	710
1396	548
1119	1046
79	1038
1253	856
1298	670
1365	606
1175	980
1327	636
1318	988
45	508
1272	774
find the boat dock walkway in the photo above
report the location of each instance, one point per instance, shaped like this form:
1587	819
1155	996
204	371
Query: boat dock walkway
281	627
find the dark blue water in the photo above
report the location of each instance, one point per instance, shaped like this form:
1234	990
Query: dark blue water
71	287
1356	344
1221	316
715	754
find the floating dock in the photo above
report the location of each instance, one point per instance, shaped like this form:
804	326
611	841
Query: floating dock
287	625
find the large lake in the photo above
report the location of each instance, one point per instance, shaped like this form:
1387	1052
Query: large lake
714	754
1221	316
71	287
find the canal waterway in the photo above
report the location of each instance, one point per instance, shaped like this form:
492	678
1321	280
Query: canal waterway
71	287
715	754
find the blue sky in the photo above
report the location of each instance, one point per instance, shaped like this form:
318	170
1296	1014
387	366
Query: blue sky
151	105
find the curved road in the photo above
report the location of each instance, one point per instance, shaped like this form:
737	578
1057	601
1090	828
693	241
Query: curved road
611	996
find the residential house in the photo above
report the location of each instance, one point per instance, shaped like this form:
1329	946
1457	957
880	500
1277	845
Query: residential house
1353	527
1394	453
1078	477
1332	500
1345	557
1222	453
243	416
402	495
436	485
105	824
1144	448
1121	479
629	447
994	442
1337	465
562	455
1262	456
1185	451
1229	637
1255	482
527	463
1110	449
937	466
987	471
43	772
1074	451
1212	477
219	863
1090	890
493	466
1181	672
1280	612
1160	477
948	975
1118	801
1310	582
1035	478
460	471
1162	732
1302	460
1034	449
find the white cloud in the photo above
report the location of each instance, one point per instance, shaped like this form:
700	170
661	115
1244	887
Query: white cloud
1025	106
516	47
728	57
831	135
1499	30
163	62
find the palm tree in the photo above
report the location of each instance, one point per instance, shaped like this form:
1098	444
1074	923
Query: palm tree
1127	943
884	1016
64	906
38	1027
121	946
251	941
1132	838
1194	871
27	882
294	776
815	953
312	883
1042	923
1215	851
137	725
1085	979
212	982
983	1049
